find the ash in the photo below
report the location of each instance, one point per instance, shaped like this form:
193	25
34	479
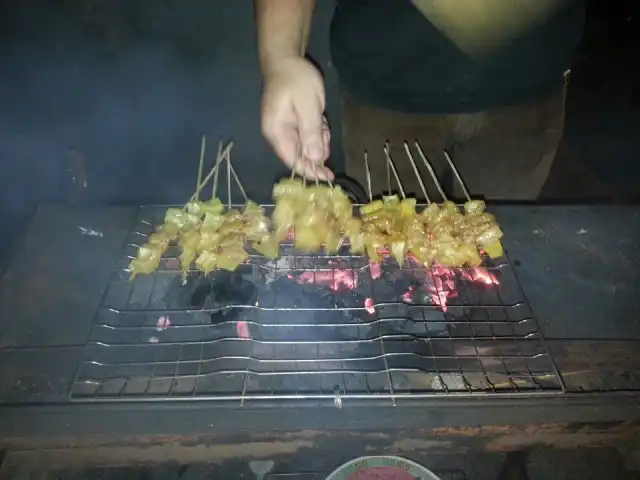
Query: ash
279	310
279	306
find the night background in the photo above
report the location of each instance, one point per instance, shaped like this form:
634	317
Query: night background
105	102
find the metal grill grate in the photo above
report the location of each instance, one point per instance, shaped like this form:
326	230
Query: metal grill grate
311	327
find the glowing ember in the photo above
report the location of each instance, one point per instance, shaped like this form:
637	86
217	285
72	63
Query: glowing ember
163	323
376	270
438	282
368	305
406	296
333	279
242	329
479	275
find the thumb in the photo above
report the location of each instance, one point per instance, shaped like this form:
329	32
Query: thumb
310	131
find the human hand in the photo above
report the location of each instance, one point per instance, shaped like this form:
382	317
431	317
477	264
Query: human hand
293	123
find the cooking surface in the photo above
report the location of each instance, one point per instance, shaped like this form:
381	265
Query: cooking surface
311	327
574	264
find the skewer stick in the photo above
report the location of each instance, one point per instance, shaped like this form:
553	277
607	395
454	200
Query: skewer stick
415	170
395	173
304	179
235	176
219	160
315	171
386	146
203	145
431	172
229	181
295	162
215	177
458	177
211	173
368	172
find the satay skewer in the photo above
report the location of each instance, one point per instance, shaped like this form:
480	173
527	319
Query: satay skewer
215	177
393	168
431	172
304	179
417	172
228	182
295	162
203	145
237	179
299	158
368	173
211	173
315	171
388	172
458	177
219	160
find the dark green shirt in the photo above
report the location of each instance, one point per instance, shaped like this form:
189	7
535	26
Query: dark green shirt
388	54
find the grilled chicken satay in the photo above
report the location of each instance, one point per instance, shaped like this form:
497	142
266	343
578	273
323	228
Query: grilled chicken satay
318	214
205	234
440	233
322	217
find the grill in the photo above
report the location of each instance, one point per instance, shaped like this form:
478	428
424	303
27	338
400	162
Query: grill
314	328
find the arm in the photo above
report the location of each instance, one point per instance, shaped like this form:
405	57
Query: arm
293	97
283	29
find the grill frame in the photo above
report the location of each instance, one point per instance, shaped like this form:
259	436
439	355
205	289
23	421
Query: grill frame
526	344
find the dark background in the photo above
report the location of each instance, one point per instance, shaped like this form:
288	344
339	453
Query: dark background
118	93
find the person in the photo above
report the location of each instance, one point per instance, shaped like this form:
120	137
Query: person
484	80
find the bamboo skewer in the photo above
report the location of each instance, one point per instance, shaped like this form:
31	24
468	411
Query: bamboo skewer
304	179
395	173
388	172
315	171
219	160
203	145
228	182
458	177
368	173
293	169
237	179
204	182
431	172
417	172
211	173
215	177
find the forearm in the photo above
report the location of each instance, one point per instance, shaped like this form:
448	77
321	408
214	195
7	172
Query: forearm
283	29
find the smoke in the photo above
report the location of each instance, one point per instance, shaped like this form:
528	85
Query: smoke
130	87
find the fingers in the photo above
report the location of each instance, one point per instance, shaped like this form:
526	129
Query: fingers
326	137
311	125
299	134
312	166
283	137
285	141
293	103
313	171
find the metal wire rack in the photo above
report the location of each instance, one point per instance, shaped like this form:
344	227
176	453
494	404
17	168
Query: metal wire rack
324	328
